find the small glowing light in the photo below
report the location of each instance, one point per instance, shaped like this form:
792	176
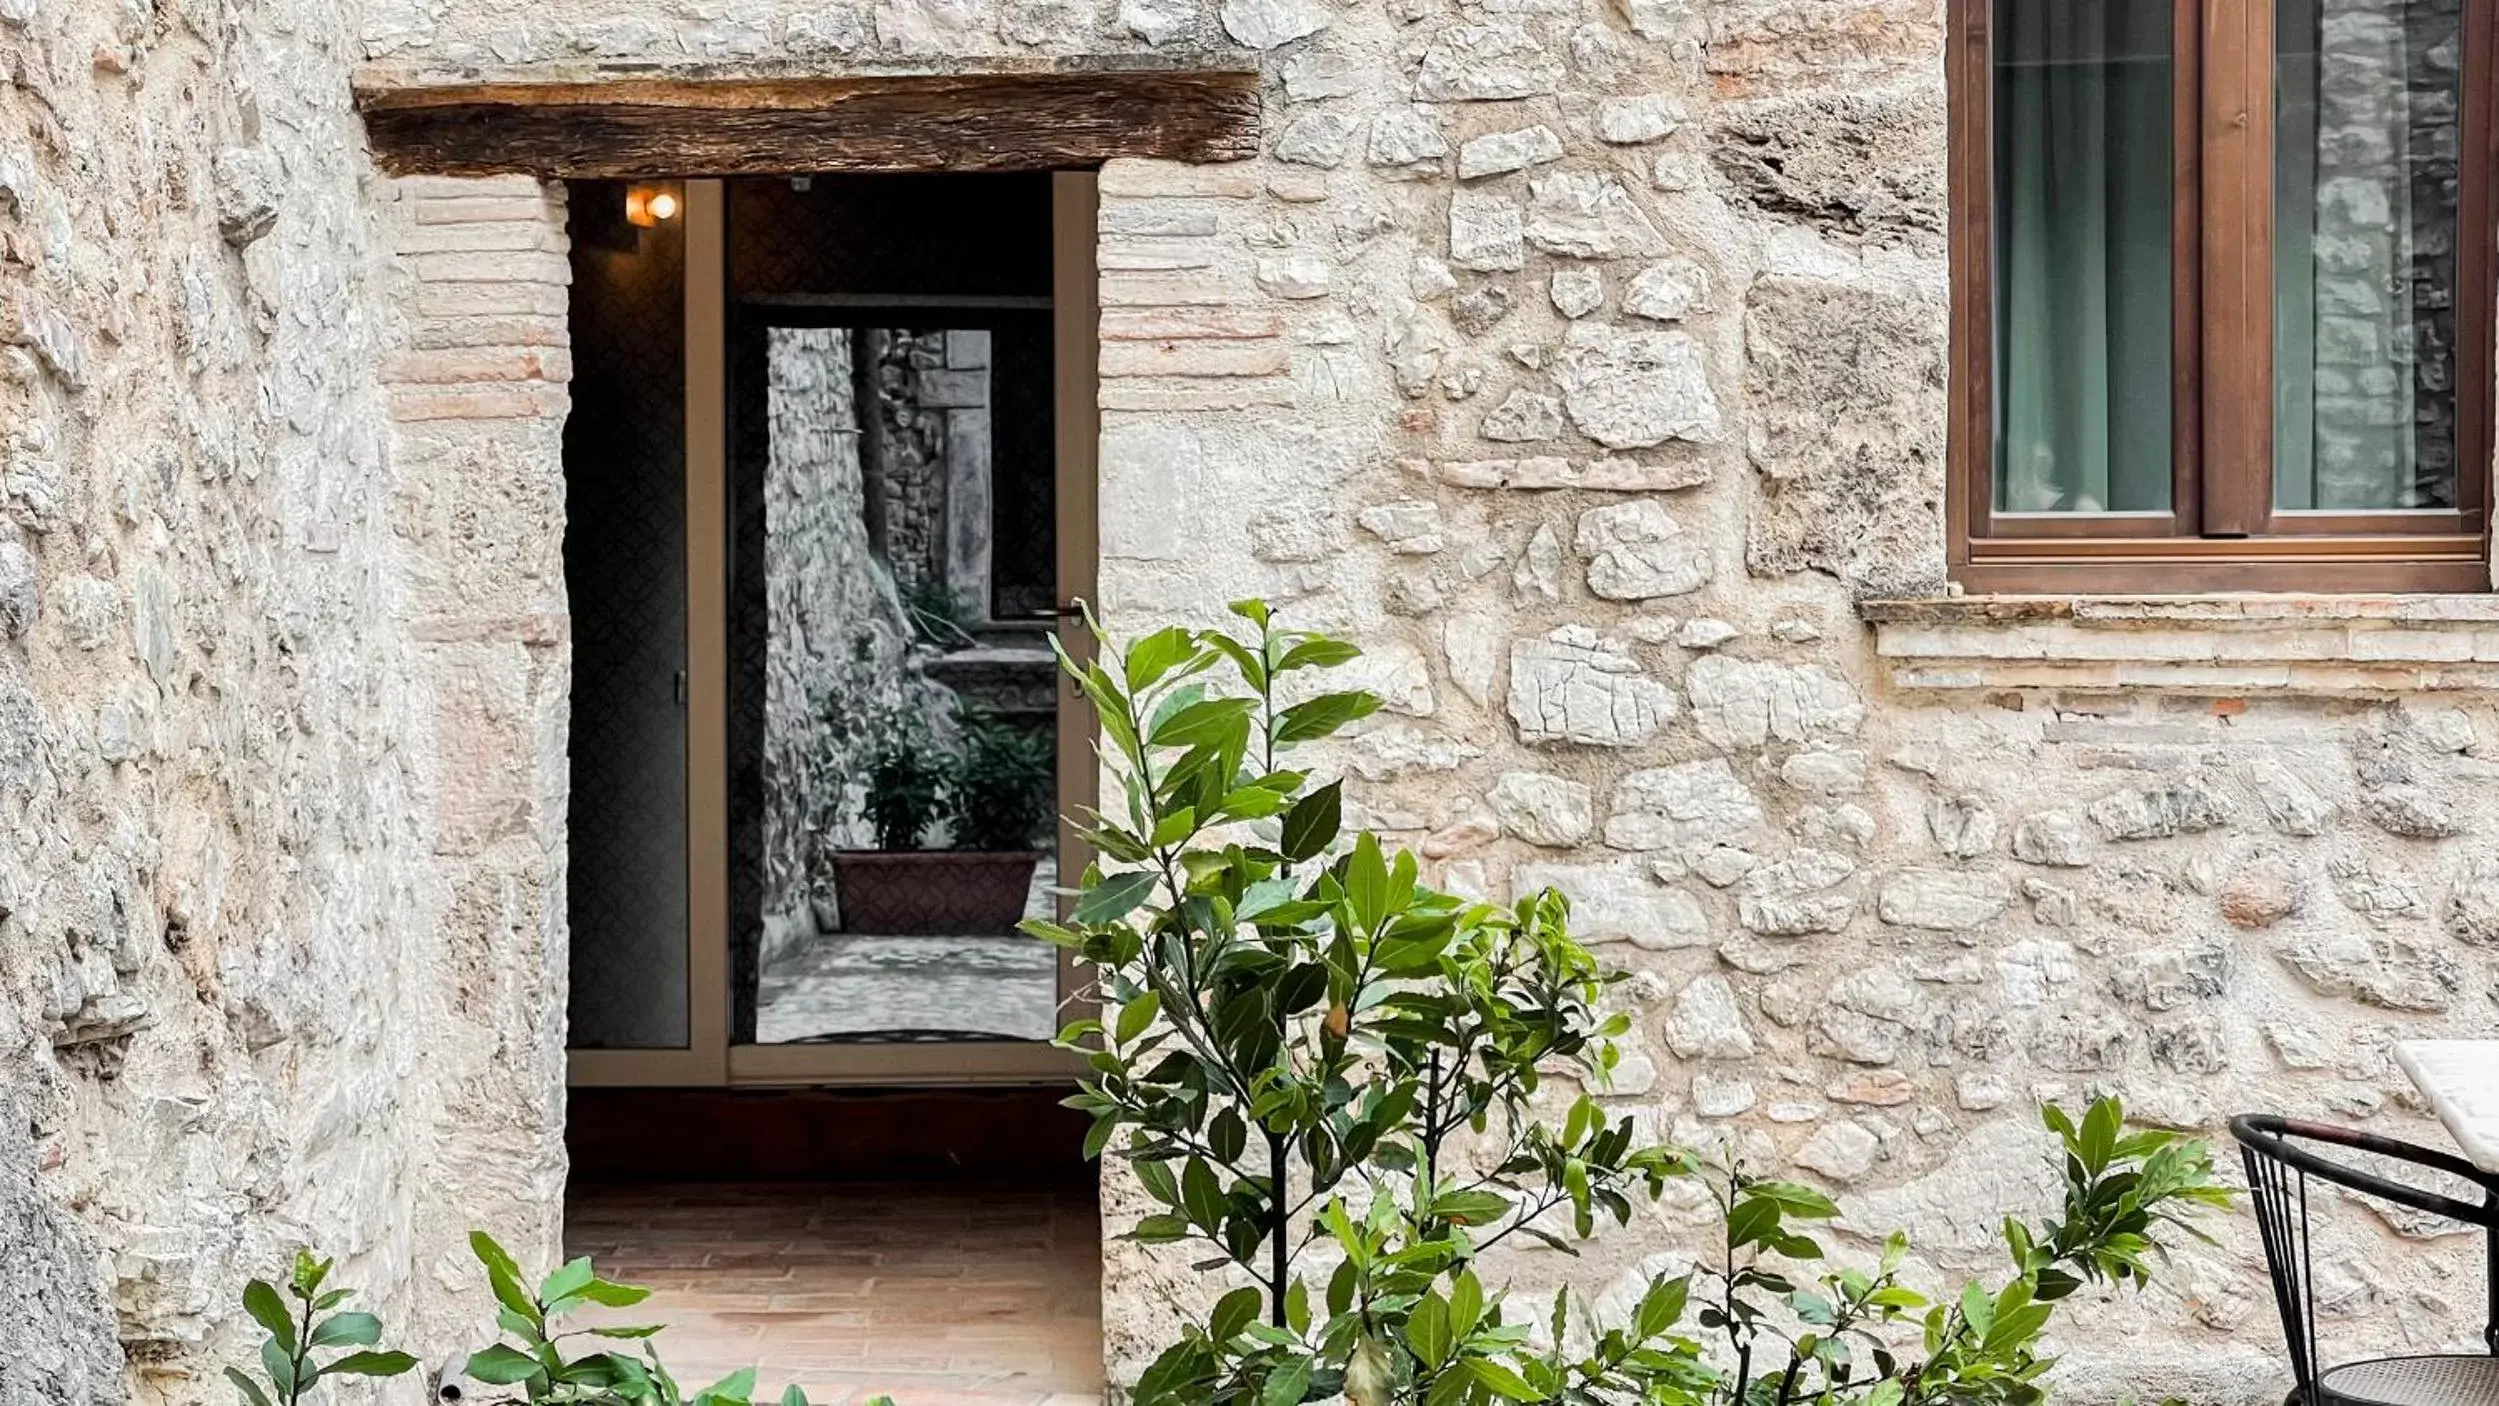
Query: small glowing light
647	206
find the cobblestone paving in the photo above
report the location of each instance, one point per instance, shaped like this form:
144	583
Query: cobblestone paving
850	984
936	1295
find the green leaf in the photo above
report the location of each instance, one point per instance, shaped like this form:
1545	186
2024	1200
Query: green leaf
1117	896
612	1295
502	1365
1312	824
1754	1218
249	1389
1158	1229
493	1255
1138	1014
793	1396
308	1273
369	1364
1227	1134
566	1281
1287	1384
1661	1306
1501	1379
280	1366
350	1329
261	1301
1320	716
1174	828
1471	1207
1466	1304
1366	883
1317	652
1208	720
1157	654
1411	949
1427	1330
1796	1199
1977	1309
1201	1195
736	1386
2099	1135
1158	1181
1233	1312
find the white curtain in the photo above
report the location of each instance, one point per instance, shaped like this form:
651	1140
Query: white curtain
2083	96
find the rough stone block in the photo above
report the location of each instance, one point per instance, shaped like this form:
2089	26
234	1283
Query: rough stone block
1845	387
1575	685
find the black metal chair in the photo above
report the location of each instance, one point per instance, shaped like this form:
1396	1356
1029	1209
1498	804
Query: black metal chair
2279	1164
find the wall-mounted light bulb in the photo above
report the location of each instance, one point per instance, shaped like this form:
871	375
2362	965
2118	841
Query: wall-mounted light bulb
649	205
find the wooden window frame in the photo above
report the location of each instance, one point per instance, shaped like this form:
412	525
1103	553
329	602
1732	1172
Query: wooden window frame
2223	533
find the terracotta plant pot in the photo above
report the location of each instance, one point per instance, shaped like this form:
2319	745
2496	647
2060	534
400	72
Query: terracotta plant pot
953	892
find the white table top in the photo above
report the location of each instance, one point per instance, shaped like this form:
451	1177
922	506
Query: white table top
2460	1078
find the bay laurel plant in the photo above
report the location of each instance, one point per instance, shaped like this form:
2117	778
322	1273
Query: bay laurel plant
536	1355
1331	1080
538	1358
302	1325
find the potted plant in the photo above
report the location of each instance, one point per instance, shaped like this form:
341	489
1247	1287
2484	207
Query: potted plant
994	796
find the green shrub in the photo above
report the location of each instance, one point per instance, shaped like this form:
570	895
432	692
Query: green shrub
536	1356
906	782
998	788
293	1334
1304	1048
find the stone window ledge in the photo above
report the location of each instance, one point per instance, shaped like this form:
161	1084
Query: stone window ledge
2294	644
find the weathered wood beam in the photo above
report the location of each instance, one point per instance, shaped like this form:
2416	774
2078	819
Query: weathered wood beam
1009	121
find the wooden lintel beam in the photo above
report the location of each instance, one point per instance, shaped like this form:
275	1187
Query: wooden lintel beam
732	127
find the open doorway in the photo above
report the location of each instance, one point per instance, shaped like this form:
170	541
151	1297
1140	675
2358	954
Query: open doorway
829	477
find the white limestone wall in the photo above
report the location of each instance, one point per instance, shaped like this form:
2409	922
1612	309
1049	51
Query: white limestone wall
281	671
1584	360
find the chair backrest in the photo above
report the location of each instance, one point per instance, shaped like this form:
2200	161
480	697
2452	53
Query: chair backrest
2281	1154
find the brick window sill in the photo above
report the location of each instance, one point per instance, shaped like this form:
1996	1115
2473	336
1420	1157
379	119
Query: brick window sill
2348	645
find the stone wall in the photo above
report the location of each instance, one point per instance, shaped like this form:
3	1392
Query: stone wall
930	450
1588	367
840	650
1583	359
281	671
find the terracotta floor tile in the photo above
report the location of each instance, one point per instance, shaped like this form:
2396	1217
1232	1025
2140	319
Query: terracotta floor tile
936	1295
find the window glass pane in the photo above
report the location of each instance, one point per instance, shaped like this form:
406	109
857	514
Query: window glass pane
625	570
2082	257
2367	95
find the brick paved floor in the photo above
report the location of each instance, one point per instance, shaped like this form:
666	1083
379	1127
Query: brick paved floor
938	1294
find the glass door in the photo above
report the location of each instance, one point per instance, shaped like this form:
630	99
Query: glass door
887	467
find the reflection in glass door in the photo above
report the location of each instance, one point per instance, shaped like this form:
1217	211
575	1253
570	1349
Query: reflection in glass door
903	768
885	458
625	568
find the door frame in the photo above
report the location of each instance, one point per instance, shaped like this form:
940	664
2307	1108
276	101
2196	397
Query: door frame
708	1058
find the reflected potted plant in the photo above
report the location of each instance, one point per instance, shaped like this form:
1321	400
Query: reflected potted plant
994	797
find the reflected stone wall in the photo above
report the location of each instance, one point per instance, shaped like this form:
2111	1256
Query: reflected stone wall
2381	214
929	452
839	656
